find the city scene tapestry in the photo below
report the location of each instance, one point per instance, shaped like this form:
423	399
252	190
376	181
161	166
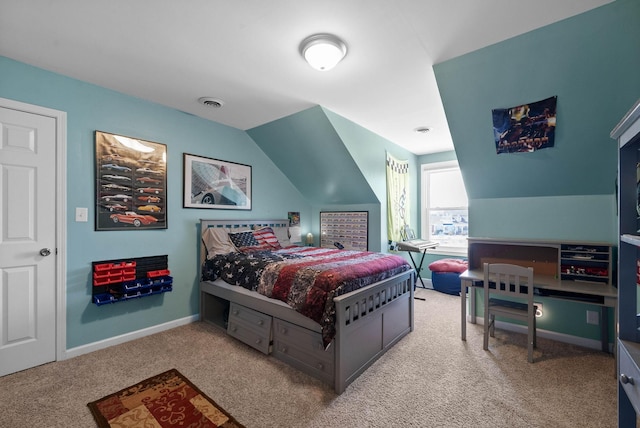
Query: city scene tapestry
525	128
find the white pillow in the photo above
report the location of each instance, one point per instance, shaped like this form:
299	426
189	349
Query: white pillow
282	233
216	241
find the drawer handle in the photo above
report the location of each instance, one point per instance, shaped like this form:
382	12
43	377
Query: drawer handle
236	312
320	366
234	329
258	341
283	331
283	349
624	379
260	322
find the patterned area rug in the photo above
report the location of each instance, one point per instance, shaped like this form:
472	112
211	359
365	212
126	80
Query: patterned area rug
166	400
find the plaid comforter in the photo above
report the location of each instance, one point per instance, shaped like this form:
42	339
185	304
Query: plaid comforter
306	278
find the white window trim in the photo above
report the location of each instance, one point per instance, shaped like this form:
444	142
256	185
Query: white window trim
424	223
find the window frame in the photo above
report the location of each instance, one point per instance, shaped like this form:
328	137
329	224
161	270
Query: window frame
425	170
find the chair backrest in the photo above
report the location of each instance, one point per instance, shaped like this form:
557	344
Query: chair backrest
509	280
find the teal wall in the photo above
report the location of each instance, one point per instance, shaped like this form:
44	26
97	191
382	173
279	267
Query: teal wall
369	151
337	165
437	157
91	108
591	63
308	149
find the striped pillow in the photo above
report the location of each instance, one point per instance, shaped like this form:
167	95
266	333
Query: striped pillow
266	238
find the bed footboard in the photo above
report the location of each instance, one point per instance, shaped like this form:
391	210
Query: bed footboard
369	321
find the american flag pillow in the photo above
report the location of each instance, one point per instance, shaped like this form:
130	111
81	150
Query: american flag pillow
243	239
266	238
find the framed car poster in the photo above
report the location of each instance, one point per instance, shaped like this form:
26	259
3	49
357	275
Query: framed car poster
216	184
131	183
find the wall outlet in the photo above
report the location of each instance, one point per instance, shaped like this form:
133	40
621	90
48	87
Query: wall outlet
540	309
593	317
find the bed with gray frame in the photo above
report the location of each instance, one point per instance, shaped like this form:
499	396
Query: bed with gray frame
368	321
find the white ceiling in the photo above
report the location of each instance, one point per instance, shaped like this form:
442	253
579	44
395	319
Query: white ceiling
245	52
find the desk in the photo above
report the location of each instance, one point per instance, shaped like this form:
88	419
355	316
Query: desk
604	295
568	270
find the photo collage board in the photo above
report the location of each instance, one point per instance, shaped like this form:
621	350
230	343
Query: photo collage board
345	230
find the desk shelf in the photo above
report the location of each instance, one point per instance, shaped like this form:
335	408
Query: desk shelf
585	262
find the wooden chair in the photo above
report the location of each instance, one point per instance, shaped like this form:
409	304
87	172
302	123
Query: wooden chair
507	280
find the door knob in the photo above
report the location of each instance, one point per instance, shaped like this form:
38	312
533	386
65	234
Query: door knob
45	252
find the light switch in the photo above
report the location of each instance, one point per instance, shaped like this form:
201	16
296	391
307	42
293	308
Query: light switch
82	214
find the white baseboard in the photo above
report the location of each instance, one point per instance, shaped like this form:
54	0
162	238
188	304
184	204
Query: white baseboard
102	344
553	335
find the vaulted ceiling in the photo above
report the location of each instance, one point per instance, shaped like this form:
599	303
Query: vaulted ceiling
245	53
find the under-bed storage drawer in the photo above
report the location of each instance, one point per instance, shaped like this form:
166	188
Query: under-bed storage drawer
250	327
303	349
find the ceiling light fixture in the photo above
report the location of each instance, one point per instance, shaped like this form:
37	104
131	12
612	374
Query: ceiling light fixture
211	102
423	130
323	51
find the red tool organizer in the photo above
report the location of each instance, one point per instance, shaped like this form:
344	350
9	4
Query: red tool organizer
118	280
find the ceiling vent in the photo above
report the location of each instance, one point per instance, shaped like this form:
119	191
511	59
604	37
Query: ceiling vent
423	130
211	102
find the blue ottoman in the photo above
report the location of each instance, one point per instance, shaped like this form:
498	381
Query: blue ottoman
445	275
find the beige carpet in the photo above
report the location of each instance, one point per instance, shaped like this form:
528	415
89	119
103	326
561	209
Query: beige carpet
430	379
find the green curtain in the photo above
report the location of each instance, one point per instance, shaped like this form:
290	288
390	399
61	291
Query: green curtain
397	199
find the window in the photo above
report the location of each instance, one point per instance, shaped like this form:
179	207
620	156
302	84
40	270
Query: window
444	211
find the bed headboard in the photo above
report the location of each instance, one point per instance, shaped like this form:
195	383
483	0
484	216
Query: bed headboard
236	224
249	224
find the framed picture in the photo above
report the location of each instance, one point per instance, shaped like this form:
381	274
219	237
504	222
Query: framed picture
216	184
347	230
131	183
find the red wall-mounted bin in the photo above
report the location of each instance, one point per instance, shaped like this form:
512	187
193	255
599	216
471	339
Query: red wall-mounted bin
157	273
118	280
